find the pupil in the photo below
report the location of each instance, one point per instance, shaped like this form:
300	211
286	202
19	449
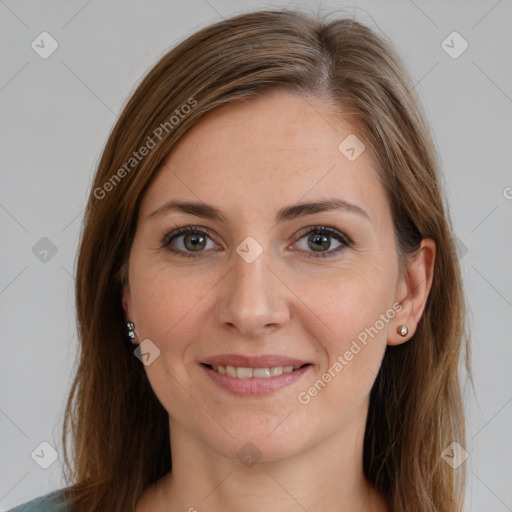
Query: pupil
195	241
323	241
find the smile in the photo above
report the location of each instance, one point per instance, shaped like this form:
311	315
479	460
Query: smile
244	381
249	373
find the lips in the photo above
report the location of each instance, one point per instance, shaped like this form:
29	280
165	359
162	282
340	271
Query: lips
254	385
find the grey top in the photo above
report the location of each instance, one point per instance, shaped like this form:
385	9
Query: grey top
51	502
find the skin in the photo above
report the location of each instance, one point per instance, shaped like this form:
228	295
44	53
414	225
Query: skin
250	159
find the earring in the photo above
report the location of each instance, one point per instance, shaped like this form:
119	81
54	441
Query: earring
130	330
402	330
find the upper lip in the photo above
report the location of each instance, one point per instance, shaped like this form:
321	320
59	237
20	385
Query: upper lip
263	361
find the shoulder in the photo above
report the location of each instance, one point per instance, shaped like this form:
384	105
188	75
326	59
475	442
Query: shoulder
51	502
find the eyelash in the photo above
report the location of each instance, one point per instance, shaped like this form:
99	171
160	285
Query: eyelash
318	230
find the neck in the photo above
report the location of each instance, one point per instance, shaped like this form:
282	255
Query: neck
326	476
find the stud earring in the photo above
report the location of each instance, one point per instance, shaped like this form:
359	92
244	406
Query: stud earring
402	330
130	331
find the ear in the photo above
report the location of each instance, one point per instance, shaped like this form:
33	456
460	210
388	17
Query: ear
128	308
412	291
127	303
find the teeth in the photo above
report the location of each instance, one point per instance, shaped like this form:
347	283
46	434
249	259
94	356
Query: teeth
248	373
261	373
244	373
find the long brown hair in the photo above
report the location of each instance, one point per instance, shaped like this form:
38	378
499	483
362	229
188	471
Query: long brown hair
119	430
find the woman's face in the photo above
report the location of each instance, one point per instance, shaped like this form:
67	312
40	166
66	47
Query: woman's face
255	280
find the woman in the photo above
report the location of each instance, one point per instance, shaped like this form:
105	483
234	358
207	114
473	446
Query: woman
267	224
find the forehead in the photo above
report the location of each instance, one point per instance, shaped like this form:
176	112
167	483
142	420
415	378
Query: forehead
254	156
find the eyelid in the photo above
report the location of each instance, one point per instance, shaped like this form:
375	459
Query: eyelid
185	230
344	240
324	229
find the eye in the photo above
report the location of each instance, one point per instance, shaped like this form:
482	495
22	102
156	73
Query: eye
319	240
189	240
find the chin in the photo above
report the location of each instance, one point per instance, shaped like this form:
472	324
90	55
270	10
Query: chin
257	444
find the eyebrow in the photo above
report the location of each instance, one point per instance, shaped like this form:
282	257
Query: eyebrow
288	213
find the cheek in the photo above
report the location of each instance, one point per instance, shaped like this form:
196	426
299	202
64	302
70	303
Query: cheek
167	309
165	301
352	321
350	299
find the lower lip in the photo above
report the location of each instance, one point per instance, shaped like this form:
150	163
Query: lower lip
255	386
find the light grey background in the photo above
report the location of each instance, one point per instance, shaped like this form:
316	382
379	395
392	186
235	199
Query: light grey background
56	114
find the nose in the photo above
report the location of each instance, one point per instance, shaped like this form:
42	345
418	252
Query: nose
253	299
